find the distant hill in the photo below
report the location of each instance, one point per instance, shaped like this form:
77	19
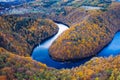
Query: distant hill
56	6
8	3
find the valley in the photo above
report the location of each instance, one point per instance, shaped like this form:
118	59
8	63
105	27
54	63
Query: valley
60	40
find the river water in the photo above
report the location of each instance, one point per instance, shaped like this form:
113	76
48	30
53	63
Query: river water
41	53
113	48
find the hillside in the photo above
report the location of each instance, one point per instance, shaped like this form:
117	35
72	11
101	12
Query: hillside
14	67
89	36
21	34
59	10
90	31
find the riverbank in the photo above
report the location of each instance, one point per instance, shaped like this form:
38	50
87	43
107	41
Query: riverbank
41	52
18	34
87	37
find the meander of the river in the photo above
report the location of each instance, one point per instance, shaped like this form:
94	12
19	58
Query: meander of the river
41	53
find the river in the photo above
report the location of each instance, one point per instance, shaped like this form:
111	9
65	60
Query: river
90	7
113	49
41	53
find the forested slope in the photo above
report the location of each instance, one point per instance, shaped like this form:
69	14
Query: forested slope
18	35
21	34
24	68
89	36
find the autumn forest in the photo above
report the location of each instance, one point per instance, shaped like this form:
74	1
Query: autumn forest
91	24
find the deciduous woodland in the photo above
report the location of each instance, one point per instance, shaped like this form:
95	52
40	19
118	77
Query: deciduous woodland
19	67
21	34
87	36
65	11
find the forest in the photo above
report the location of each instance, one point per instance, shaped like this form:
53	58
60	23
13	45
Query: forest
20	34
24	68
87	37
90	31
